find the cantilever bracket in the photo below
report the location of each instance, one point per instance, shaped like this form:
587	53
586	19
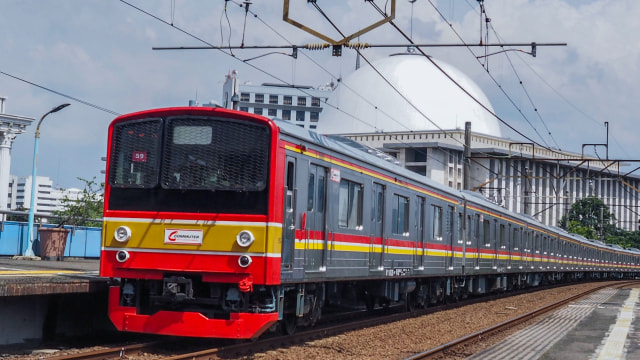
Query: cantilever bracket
346	39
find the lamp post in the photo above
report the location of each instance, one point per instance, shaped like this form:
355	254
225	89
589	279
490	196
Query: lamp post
29	251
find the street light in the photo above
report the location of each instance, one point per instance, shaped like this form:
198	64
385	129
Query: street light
29	251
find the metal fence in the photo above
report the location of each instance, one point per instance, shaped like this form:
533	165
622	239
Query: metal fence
82	241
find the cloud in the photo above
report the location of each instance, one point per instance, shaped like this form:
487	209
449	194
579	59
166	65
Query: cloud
101	53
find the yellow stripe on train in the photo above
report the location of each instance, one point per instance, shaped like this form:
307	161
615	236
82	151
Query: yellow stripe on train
209	236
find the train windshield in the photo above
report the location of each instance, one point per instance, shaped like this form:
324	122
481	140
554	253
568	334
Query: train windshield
189	164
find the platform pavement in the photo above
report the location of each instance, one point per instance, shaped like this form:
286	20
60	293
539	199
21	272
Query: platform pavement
603	326
21	276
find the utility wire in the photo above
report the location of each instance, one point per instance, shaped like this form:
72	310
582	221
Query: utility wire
497	84
524	89
61	94
251	65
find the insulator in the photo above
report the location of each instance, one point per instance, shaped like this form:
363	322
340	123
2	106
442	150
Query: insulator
316	46
357	45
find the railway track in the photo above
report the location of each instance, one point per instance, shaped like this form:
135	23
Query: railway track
442	350
356	320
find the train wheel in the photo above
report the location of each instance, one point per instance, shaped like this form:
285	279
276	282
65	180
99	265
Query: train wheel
410	302
288	324
370	302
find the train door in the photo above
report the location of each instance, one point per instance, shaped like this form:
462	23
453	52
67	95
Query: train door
476	240
376	240
502	246
513	233
527	249
289	227
449	236
421	245
315	224
460	235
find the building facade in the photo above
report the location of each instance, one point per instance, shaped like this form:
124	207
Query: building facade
48	198
535	181
301	105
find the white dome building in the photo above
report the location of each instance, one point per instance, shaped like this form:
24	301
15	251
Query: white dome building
366	103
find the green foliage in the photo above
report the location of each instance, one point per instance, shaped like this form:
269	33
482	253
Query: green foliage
589	212
584	218
15	217
88	207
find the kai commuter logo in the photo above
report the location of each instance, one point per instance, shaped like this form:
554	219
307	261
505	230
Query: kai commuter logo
183	236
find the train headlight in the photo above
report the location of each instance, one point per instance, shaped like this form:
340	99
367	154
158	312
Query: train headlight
244	261
122	234
122	256
245	238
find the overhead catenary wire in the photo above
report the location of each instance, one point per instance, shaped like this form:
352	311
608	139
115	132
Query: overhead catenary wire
476	100
61	94
253	66
261	70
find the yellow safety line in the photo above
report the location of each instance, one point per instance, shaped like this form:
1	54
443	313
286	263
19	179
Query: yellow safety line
38	272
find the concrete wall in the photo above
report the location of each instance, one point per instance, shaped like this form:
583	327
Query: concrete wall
33	319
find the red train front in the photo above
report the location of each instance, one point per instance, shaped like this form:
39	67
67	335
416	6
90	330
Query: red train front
192	223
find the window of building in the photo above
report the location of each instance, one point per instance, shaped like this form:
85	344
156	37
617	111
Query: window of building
257	111
312	126
400	215
244	108
302	101
259	98
315	101
286	114
273	99
287	100
314	116
350	205
299	115
244	97
272	112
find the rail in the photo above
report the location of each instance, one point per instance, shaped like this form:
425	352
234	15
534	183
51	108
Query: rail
442	349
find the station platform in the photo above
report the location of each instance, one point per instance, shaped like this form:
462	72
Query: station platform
23	276
602	326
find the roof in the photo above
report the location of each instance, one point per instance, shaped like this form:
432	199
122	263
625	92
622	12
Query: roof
366	103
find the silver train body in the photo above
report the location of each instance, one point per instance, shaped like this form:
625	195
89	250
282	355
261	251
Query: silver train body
359	229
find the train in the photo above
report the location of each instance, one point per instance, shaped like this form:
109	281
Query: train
225	224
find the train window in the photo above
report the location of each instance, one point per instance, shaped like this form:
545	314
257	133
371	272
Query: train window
192	135
476	226
503	235
135	154
310	192
379	203
400	215
290	174
350	205
437	223
486	233
228	155
460	228
320	197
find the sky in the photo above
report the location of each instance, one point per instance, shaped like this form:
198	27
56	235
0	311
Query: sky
97	55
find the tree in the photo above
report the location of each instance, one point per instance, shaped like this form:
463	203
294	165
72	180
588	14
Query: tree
589	217
84	210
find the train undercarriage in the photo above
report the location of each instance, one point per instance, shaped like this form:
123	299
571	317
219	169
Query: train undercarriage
302	304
